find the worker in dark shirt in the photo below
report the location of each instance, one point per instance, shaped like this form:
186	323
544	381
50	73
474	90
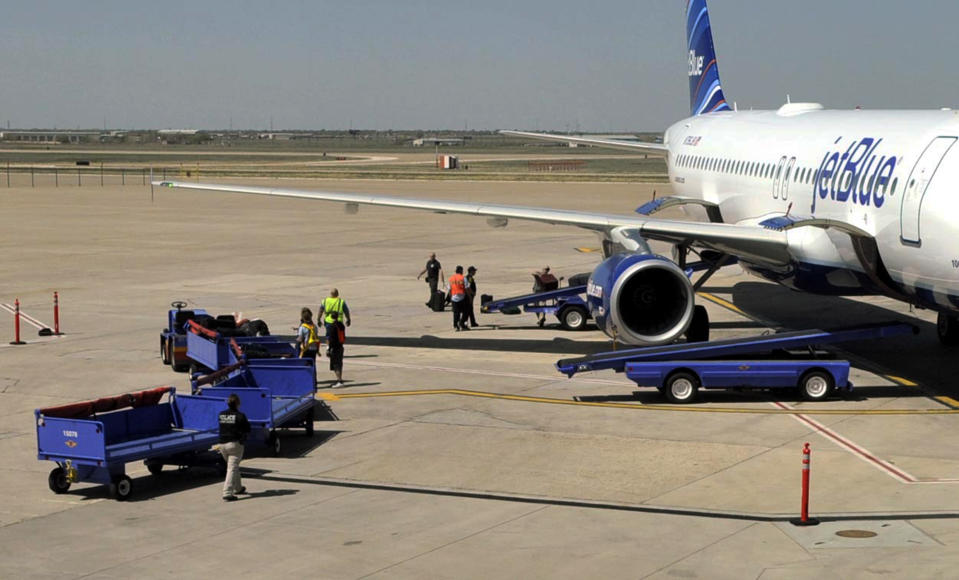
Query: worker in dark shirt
234	427
434	272
335	337
470	297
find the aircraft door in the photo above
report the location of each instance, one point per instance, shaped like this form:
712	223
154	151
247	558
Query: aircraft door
916	186
776	177
784	187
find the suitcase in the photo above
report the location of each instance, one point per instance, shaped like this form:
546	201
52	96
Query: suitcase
484	298
438	303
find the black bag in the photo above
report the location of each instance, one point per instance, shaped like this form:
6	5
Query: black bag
484	298
438	303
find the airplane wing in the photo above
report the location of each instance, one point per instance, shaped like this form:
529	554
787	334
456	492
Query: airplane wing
753	244
635	146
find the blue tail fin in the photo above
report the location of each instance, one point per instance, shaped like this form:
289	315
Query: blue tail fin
705	92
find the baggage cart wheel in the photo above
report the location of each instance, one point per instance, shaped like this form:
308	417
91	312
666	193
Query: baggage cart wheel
309	423
573	318
273	442
682	387
176	367
58	480
121	488
816	385
154	468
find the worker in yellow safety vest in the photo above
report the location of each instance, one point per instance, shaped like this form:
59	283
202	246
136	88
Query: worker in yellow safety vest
333	303
308	337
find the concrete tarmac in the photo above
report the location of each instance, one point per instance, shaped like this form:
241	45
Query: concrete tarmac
452	485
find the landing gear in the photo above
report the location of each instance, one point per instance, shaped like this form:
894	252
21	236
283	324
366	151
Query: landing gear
947	327
698	330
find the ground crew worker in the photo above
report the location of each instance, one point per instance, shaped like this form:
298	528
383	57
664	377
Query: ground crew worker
234	427
433	271
308	337
459	297
543	281
336	336
333	303
471	293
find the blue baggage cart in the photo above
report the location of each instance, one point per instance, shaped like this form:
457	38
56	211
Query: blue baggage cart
781	360
289	385
94	440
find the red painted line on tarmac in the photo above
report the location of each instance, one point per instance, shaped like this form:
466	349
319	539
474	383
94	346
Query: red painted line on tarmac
863	453
856	450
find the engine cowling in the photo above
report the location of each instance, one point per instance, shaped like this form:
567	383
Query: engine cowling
641	299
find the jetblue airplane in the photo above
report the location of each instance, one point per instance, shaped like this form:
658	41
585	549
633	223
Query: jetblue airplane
833	202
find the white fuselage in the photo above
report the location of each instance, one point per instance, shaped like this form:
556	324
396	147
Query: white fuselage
893	175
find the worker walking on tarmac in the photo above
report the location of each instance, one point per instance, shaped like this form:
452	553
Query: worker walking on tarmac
543	281
434	272
308	336
234	427
471	296
335	338
333	303
459	297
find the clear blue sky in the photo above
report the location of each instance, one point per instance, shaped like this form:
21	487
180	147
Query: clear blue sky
601	66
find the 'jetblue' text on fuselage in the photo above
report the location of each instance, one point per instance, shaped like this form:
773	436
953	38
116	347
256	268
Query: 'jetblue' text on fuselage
856	173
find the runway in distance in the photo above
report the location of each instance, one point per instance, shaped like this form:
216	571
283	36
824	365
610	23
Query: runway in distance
839	202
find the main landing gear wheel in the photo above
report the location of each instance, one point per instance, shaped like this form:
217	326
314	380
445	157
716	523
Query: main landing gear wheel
121	488
698	330
816	385
947	327
682	387
58	480
573	318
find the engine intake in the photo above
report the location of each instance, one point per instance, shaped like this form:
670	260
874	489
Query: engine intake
641	299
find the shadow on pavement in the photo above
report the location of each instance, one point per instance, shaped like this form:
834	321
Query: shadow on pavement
267	493
464	341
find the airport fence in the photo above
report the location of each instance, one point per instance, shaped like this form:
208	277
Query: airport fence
88	175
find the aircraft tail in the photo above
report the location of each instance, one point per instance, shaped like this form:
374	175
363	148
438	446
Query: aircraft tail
705	92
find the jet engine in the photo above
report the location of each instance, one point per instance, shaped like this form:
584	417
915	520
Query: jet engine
641	299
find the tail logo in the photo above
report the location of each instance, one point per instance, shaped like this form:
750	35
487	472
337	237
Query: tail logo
695	64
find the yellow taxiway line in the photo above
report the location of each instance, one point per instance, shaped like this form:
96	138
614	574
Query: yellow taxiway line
636	406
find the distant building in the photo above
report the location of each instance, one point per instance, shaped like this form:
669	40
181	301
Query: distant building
44	136
437	141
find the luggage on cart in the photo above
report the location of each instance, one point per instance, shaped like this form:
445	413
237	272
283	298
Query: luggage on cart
438	302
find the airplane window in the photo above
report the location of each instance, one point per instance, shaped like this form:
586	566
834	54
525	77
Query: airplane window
872	181
895	182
